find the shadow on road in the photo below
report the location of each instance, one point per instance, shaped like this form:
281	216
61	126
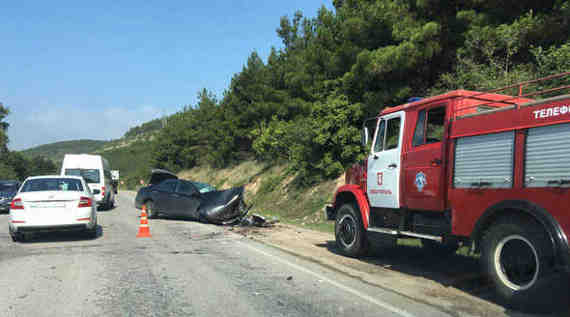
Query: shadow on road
459	271
65	236
103	209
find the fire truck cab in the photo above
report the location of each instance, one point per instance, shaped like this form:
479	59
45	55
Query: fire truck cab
483	169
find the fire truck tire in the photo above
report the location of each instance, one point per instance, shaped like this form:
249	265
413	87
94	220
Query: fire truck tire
517	254
349	231
440	249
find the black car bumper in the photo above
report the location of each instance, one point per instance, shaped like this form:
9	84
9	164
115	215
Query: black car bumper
75	227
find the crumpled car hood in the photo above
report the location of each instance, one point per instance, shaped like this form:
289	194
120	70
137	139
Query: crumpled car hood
223	206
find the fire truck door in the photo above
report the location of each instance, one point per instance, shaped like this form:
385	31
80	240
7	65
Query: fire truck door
423	164
383	181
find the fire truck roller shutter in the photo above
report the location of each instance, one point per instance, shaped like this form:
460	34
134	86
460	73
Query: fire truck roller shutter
546	156
484	161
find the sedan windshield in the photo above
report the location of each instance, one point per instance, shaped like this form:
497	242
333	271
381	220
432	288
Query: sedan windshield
52	184
90	175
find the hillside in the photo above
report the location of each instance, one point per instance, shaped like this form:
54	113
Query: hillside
56	151
130	154
132	157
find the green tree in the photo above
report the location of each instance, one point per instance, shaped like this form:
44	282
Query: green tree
3	128
304	104
7	172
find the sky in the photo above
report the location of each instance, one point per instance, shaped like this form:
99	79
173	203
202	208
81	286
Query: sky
93	69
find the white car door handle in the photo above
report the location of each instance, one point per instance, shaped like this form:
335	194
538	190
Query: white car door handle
393	165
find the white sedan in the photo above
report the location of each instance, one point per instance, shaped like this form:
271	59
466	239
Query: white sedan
52	203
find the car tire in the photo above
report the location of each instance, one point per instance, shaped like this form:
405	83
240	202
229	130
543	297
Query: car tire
516	255
440	249
150	211
349	231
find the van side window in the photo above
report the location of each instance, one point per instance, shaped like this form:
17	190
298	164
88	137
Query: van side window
393	133
429	130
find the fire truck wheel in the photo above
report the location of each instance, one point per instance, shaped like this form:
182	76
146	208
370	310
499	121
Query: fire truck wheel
349	231
440	249
517	254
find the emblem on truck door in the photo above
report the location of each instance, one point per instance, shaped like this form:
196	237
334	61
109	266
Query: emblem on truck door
421	181
380	178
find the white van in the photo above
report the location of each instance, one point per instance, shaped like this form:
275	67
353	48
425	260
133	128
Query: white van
97	173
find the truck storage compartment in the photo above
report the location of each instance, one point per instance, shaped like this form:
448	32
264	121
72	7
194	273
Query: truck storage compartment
547	156
431	223
484	161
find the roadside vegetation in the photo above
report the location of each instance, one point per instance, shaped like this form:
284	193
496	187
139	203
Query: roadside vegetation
303	106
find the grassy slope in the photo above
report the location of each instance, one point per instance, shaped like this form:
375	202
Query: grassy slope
272	191
56	151
132	159
131	156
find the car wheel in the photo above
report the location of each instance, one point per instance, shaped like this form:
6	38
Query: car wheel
150	212
349	231
516	255
440	249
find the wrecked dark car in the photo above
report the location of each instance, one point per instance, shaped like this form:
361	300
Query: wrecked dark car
168	196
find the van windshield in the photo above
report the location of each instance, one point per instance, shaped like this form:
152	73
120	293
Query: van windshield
90	175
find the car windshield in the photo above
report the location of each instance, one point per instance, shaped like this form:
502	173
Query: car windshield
90	175
203	187
52	184
8	187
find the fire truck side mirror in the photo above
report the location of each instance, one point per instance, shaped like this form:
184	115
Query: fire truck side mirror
364	136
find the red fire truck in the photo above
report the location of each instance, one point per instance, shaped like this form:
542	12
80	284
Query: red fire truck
483	169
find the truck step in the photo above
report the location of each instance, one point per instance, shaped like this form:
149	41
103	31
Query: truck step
405	233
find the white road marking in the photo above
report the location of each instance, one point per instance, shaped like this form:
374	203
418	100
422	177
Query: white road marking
343	287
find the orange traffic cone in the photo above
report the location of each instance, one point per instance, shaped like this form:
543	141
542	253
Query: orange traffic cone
144	230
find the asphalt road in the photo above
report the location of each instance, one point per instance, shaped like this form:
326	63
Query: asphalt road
185	269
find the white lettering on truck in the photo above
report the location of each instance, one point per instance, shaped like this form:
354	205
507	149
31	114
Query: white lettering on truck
551	112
